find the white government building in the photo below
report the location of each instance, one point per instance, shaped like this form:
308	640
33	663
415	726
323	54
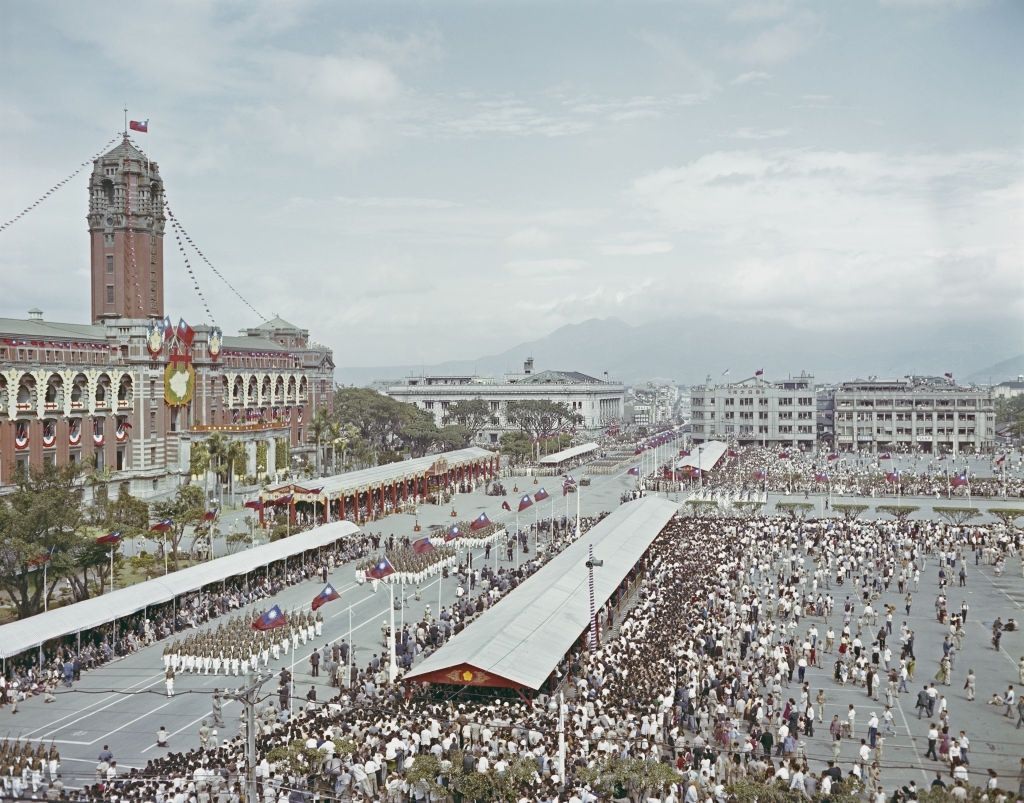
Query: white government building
599	402
756	411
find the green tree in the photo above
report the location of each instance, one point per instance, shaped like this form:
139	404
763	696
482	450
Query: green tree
199	459
899	512
185	510
43	519
956	516
516	447
319	431
850	511
377	418
235	458
471	414
281	454
1007	515
795	509
418	432
453	436
536	417
217	448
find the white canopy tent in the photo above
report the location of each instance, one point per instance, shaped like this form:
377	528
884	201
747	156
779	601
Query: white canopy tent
519	641
26	634
571	453
704	456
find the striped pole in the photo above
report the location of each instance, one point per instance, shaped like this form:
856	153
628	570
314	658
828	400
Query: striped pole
592	641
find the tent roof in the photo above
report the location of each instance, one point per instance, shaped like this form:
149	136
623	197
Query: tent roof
357	481
710	453
26	634
568	454
521	639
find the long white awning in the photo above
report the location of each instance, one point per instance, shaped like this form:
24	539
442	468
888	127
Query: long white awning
523	637
26	634
568	454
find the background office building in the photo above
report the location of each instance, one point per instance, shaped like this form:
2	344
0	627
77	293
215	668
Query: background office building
756	412
926	414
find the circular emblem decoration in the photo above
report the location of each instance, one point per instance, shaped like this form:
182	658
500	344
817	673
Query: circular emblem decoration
179	384
155	338
467	675
215	342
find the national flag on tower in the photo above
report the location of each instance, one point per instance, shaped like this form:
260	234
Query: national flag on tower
110	538
525	502
480	522
142	126
380	570
506	506
949	375
325	596
452	533
162	526
541	495
422	546
168	328
269	619
759	372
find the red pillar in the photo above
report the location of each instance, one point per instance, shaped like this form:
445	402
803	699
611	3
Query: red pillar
261	515
394	496
341	506
405	490
327	511
291	510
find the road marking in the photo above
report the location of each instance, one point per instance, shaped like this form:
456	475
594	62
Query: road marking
87	707
183	727
129	722
120	697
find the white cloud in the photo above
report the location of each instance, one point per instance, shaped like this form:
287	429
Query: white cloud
637	249
753	77
529	238
780	42
760	10
544	268
378	202
759	133
849	234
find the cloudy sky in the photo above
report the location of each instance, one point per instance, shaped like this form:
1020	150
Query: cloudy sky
422	181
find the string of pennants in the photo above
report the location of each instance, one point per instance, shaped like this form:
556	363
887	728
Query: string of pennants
188	267
179	227
88	163
65	344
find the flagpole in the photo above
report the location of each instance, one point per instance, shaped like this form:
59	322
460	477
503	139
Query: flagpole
578	494
291	696
351	649
111	569
392	666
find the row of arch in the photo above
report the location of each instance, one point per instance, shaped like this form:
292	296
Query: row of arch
261	390
82	394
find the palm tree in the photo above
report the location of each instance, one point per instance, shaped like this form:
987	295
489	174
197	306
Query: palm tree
217	447
235	451
320	427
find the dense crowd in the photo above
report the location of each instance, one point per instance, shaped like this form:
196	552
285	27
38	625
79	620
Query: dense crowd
734	662
754	468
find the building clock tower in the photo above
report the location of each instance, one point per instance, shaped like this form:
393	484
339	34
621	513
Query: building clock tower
126	229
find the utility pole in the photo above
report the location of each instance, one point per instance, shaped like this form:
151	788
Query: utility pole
247	698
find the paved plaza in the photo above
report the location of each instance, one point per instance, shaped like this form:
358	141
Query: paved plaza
122	704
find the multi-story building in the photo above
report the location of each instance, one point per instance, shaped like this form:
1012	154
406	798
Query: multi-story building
599	402
925	414
1009	389
131	392
756	411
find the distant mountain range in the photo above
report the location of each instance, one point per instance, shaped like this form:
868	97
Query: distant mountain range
687	350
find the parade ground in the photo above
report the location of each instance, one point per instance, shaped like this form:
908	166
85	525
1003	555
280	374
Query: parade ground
122	704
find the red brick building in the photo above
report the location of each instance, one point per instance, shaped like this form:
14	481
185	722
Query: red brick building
131	391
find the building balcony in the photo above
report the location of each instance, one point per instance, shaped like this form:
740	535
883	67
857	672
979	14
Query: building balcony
252	426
